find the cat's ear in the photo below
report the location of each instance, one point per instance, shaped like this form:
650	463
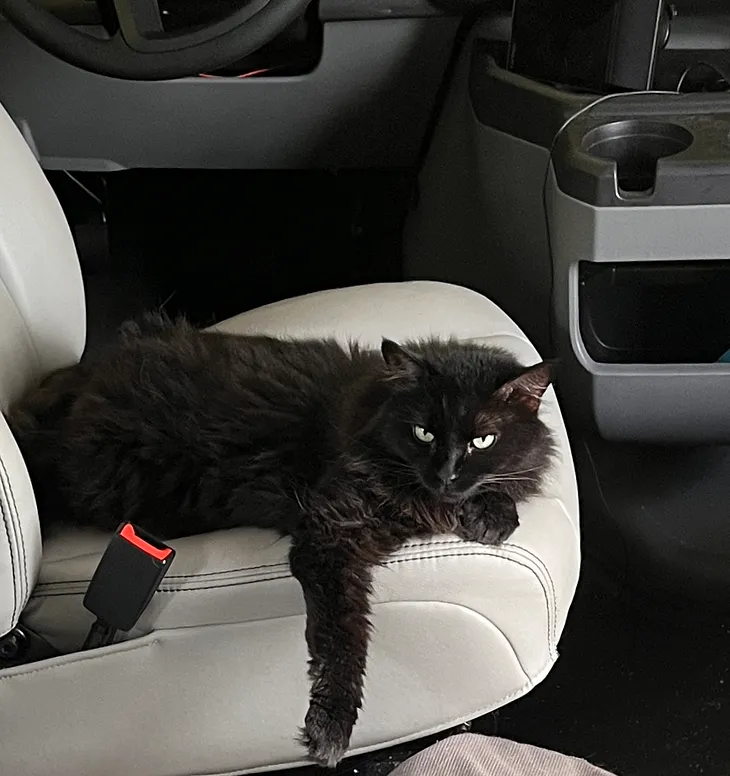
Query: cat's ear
401	360
528	387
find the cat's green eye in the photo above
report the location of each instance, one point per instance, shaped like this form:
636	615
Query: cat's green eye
484	442
422	435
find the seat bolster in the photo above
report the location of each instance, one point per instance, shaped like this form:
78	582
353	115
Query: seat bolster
20	538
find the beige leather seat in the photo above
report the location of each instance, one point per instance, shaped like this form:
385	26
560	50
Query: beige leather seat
214	679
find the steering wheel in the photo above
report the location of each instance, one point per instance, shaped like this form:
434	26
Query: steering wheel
139	48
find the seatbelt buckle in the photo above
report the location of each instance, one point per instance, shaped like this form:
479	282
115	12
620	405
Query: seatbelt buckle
129	572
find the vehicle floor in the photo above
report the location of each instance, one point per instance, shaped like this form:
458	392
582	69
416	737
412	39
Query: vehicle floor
640	689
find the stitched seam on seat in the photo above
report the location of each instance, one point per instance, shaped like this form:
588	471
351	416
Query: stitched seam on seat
177	576
8	486
547	575
12	559
423	544
417	546
543	566
483	553
278	564
548	586
129	646
237	583
283	564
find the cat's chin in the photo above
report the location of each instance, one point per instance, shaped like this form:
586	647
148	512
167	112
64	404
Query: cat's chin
450	499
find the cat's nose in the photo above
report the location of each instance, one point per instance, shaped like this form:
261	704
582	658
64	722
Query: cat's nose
447	475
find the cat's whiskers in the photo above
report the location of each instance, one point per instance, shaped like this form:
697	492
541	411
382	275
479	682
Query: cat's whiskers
501	477
298	499
513	476
494	480
521	471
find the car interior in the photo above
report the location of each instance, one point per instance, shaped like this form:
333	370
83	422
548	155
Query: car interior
547	176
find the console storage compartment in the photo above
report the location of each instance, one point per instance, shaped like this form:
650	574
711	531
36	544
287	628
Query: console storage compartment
655	312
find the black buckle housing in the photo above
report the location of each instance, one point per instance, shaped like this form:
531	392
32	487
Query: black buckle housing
130	571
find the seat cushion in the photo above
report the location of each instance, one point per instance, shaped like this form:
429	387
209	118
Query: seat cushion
460	628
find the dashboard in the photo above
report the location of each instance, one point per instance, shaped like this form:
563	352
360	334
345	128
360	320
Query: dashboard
179	13
351	87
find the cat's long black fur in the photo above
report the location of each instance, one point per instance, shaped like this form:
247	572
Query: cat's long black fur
349	453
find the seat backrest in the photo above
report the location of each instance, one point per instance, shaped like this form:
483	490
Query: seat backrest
42	328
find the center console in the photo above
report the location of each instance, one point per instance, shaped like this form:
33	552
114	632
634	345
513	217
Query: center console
638	202
603	229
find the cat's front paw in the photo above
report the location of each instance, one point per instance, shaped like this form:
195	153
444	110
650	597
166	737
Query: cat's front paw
499	532
326	735
488	521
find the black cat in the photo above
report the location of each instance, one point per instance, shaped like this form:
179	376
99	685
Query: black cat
349	453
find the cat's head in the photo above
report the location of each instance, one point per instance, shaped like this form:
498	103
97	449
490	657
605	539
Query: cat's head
461	417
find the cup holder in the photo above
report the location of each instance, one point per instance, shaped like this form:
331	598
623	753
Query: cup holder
636	146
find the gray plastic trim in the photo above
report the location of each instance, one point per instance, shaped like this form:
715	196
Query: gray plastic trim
367	104
656	403
671	233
